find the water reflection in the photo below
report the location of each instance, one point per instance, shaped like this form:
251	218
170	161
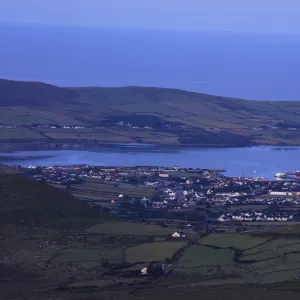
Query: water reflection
249	161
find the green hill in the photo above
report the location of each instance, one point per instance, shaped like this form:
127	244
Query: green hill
28	202
33	94
175	116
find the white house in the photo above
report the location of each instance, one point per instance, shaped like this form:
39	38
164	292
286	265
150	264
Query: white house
177	234
144	271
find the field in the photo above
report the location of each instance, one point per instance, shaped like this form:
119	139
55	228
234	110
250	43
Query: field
107	261
200	257
103	192
242	258
20	133
238	241
90	256
130	228
152	251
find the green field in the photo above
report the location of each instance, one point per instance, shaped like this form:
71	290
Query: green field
107	191
130	228
261	260
90	256
238	241
201	256
152	251
29	255
272	249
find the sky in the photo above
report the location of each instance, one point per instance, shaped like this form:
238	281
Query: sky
265	16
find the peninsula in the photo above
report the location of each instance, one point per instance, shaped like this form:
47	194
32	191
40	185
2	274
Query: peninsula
39	112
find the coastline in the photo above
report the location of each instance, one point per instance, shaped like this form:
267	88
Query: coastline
258	161
10	145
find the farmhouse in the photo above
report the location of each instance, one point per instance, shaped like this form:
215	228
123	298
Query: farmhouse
178	234
144	271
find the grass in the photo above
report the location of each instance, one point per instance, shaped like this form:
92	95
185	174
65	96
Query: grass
272	249
152	251
28	201
280	275
130	228
200	256
102	193
108	191
27	256
79	258
238	241
106	282
273	261
91	256
19	133
248	207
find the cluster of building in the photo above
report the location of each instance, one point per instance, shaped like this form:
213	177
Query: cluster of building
56	126
7	126
271	200
290	128
256	217
182	189
153	176
239	199
130	125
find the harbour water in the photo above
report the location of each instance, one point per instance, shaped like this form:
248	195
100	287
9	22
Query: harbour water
249	161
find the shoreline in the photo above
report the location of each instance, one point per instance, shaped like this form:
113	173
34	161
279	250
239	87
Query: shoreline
259	161
73	144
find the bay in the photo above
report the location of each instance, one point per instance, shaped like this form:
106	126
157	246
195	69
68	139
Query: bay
249	161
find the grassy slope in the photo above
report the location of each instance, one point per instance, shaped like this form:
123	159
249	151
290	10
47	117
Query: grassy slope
29	272
190	113
20	93
26	201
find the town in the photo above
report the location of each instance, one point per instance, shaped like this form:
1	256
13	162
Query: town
190	194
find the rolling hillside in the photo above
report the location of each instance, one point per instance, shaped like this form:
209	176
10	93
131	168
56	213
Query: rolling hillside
174	116
55	247
33	94
24	201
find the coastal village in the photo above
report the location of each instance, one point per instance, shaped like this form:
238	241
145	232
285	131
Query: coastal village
190	193
140	125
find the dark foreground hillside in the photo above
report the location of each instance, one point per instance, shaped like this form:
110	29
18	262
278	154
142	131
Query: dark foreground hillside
48	252
29	202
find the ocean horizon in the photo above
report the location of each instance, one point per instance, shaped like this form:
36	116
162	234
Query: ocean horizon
242	65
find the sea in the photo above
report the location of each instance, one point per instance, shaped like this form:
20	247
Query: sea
248	161
244	65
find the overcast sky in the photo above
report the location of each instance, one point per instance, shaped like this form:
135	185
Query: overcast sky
229	15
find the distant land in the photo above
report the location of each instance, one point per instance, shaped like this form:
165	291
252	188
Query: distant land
160	116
